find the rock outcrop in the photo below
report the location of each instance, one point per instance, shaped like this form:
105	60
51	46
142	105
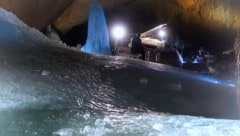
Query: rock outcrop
36	13
77	13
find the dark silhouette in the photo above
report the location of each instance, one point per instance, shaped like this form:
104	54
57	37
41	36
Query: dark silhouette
137	47
202	56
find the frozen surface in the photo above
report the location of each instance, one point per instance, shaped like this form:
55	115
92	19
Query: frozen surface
98	36
152	124
128	124
49	89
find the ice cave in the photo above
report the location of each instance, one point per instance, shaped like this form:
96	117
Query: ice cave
65	72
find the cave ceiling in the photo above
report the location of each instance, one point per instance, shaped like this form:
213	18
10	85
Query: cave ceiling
36	13
212	22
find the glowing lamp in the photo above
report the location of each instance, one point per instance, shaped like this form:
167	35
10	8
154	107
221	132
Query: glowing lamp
162	33
118	32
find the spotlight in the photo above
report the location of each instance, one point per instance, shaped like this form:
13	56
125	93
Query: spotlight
118	32
162	33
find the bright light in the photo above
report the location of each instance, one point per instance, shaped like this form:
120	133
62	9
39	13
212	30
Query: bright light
118	32
162	33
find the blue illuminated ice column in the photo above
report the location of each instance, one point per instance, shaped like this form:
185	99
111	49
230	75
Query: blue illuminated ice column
98	36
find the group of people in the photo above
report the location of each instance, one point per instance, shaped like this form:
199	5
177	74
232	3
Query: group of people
137	46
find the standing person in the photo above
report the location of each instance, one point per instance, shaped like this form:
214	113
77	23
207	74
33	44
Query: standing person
137	46
201	56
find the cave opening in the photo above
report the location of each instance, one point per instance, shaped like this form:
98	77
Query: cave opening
76	35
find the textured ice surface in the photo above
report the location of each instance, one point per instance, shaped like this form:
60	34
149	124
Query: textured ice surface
152	124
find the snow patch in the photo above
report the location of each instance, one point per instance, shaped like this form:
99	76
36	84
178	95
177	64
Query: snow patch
13	19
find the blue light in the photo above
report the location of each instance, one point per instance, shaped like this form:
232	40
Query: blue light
217	81
98	36
195	61
180	57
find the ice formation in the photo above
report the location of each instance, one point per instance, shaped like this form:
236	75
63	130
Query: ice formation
12	19
98	36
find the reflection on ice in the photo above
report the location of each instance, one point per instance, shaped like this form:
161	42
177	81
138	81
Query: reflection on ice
64	132
217	81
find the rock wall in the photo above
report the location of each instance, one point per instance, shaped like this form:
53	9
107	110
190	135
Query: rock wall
36	13
212	23
77	13
208	22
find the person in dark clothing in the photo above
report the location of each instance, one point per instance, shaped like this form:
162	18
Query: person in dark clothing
137	47
201	56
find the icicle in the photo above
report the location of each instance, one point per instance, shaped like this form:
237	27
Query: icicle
98	36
